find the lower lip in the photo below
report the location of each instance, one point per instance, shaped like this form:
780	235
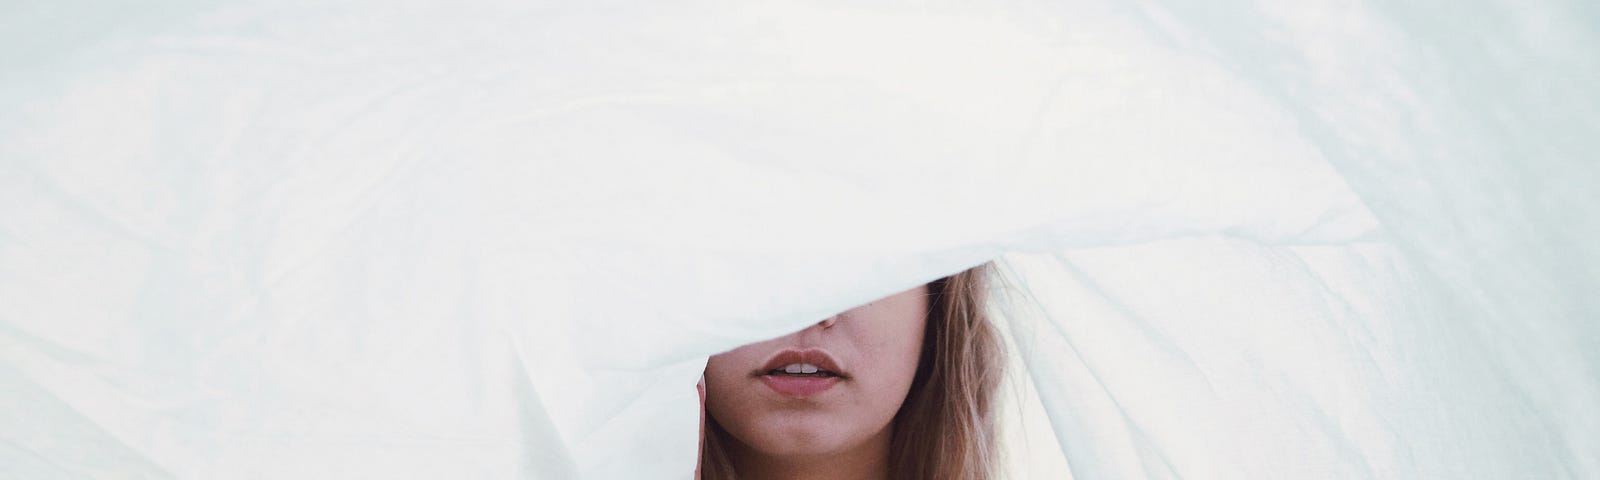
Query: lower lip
799	387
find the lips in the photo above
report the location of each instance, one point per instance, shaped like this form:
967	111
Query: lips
801	373
818	358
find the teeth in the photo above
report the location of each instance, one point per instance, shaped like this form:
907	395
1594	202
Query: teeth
800	368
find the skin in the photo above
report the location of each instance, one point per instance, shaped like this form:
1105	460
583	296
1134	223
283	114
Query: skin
842	433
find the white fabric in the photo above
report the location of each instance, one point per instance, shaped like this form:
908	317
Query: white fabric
414	240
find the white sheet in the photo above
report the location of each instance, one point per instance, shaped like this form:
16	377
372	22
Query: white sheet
396	239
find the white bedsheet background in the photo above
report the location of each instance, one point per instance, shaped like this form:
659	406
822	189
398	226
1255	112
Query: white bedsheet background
397	239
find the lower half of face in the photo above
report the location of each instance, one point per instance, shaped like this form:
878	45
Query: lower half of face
830	387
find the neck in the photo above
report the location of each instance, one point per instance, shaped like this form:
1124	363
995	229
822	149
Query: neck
867	461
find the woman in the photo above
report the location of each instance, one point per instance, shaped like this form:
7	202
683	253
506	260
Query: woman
899	388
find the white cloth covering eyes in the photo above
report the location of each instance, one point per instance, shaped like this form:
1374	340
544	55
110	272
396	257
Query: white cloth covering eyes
498	240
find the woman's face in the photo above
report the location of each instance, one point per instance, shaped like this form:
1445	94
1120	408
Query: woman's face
864	360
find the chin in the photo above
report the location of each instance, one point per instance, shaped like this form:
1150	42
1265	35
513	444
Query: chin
800	435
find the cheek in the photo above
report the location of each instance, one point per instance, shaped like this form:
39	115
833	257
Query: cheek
732	398
895	358
896	332
722	379
890	340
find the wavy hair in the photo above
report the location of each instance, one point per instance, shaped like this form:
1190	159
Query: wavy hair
945	429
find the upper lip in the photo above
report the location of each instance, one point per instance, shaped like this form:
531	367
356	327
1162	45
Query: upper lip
813	356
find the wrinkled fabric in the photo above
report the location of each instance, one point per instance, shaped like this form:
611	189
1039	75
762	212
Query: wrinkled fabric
499	240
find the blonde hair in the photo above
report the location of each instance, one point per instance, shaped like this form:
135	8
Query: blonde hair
945	429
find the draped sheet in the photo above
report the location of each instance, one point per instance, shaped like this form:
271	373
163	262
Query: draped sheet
492	240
